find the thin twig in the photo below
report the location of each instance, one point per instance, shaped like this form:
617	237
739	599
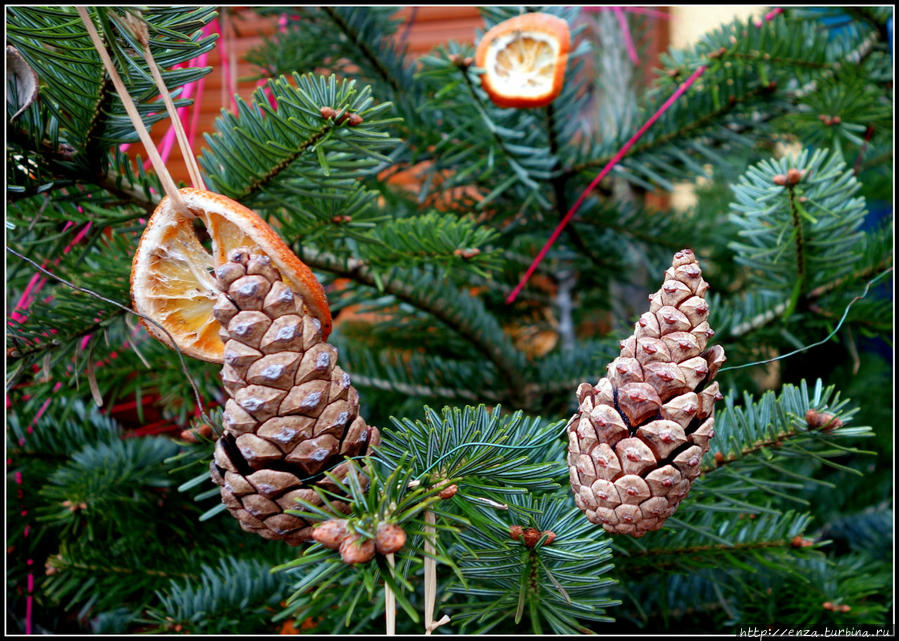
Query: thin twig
799	243
126	309
358	271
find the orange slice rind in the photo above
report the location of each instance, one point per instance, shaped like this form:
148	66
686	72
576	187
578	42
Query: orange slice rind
172	274
524	60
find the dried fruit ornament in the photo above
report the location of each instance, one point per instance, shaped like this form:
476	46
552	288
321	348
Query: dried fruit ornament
171	273
524	60
638	437
252	305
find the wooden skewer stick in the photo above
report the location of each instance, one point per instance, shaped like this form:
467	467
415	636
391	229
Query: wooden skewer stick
165	177
436	624
390	602
139	28
430	571
431	575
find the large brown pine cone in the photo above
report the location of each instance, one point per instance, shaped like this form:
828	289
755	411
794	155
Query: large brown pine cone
292	413
636	443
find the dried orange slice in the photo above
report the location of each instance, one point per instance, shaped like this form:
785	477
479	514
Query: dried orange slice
524	60
172	279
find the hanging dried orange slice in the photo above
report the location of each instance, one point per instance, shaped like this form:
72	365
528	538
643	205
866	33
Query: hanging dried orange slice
524	60
172	274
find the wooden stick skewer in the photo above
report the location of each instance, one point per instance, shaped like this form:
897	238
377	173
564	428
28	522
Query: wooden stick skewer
139	27
431	575
165	178
390	602
430	572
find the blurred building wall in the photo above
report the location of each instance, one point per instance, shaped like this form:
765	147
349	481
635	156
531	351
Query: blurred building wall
688	23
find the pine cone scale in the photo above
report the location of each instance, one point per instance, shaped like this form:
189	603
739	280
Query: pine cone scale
637	440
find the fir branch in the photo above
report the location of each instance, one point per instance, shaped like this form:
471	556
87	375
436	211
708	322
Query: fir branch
799	240
128	191
829	216
481	108
772	443
756	56
681	132
558	182
502	354
264	155
778	424
60	563
650	558
363	47
124	309
866	15
237	595
472	446
93	143
760	320
108	176
520	583
259	183
74	86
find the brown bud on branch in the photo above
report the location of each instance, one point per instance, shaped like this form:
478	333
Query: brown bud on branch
330	533
822	420
448	492
390	538
353	552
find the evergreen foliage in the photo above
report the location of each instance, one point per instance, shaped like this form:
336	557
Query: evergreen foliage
114	528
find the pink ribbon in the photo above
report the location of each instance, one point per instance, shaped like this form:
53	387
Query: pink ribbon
614	161
628	40
37	281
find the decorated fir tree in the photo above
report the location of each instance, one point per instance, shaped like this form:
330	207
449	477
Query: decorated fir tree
449	407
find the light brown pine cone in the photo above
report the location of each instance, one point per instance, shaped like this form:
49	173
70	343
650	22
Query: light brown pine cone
638	437
292	412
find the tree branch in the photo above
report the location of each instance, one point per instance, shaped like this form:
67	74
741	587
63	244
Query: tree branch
799	241
364	48
358	271
650	558
766	317
674	135
61	167
259	184
772	443
558	184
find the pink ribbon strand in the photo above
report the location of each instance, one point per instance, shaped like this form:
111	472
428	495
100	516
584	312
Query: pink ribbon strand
614	161
626	32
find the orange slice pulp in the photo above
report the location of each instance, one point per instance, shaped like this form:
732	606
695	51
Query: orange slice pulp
524	60
172	274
